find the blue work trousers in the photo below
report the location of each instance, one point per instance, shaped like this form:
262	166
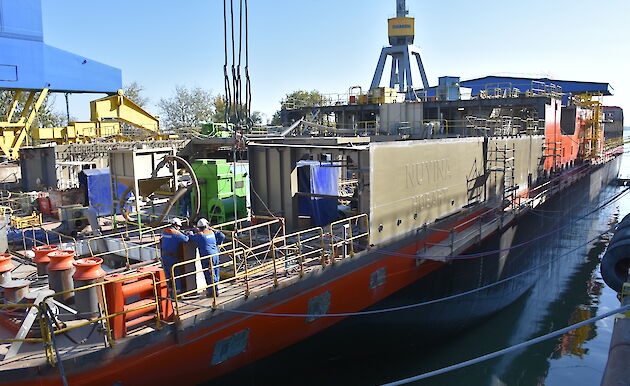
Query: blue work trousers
168	262
205	263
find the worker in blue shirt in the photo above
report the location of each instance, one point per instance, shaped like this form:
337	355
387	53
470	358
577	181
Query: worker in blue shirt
207	240
172	237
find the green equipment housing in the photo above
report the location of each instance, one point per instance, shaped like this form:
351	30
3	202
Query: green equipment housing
217	129
216	188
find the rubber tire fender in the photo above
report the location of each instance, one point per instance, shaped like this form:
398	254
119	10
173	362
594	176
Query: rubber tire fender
615	264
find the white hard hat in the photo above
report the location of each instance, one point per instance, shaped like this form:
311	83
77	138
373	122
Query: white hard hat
203	223
177	221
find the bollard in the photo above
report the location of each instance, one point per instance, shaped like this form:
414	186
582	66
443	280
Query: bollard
6	266
60	270
88	271
15	290
41	258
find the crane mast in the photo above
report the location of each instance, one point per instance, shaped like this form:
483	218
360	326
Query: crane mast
401	8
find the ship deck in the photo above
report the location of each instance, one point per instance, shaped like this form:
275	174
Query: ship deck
258	261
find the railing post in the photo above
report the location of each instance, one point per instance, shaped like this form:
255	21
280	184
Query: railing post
480	220
275	270
300	259
345	228
247	293
425	235
212	284
323	246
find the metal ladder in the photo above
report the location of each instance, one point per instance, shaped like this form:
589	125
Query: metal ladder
503	162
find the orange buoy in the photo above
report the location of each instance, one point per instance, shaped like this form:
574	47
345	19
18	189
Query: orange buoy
5	263
60	260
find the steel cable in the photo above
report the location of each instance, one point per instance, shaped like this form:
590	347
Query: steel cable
479	254
510	349
405	307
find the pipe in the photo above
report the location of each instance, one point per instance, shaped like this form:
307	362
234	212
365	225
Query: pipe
171	202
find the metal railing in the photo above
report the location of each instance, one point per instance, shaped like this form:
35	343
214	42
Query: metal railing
345	232
103	316
289	254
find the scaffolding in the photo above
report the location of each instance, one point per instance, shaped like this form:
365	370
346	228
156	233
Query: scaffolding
593	140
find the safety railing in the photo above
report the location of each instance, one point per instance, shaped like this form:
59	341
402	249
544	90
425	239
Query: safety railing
177	276
21	222
126	233
299	248
470	126
68	322
450	234
103	316
257	239
126	248
290	254
13	310
345	234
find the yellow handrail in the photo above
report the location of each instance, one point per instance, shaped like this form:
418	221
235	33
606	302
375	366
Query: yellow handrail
103	310
349	239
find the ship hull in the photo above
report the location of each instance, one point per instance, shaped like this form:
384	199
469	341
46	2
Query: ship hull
212	345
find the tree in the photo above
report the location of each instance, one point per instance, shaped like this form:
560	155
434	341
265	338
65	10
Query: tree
298	99
187	108
219	112
46	115
134	91
301	98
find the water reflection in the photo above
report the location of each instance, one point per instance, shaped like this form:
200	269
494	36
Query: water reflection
568	291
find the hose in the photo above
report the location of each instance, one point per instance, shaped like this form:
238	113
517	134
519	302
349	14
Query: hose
171	202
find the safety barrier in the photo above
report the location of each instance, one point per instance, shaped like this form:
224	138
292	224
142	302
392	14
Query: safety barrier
8	310
256	239
301	250
122	236
347	233
34	219
234	255
118	315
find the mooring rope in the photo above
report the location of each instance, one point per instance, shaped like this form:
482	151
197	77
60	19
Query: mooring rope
510	349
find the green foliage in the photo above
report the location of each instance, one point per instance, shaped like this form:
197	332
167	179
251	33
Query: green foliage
298	99
301	98
134	91
46	116
219	112
186	108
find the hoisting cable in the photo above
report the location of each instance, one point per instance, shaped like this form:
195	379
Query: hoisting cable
510	349
399	308
238	82
479	254
226	78
248	90
234	84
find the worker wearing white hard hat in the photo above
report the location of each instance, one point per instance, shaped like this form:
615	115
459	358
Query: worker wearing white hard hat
172	238
207	240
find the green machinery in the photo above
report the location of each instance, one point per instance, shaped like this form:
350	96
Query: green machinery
217	196
217	129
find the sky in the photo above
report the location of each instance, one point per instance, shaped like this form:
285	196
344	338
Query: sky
332	45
